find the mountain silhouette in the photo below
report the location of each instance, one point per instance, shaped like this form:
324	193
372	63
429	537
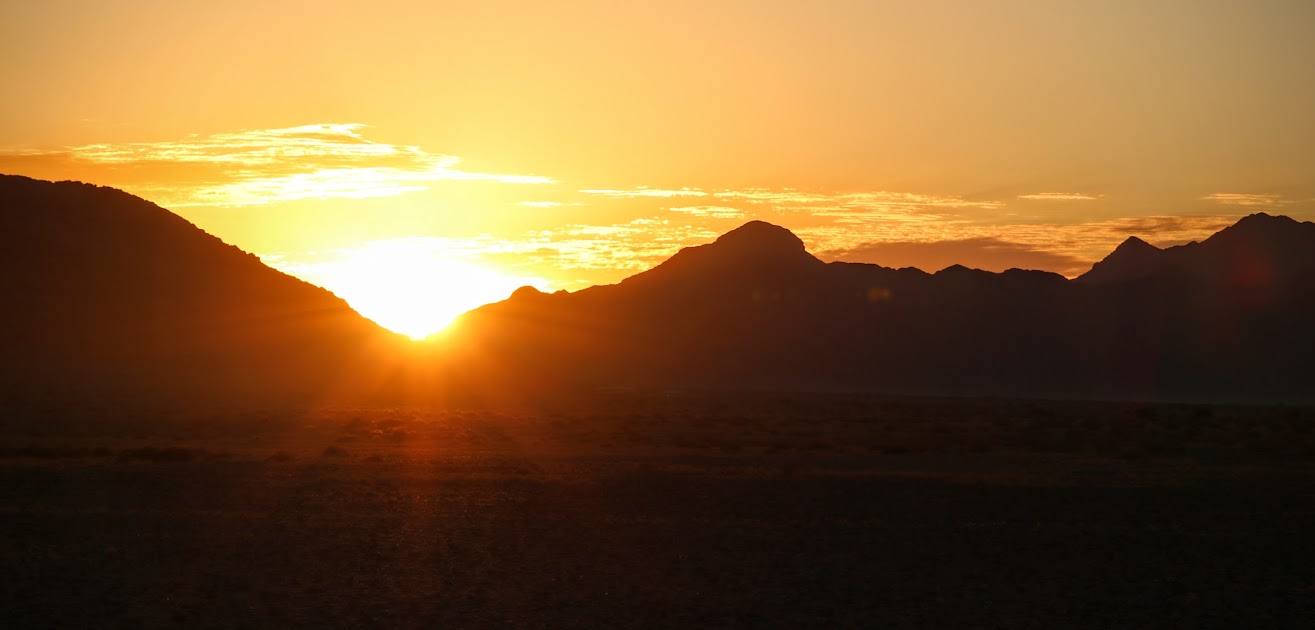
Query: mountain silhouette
109	293
1227	318
1132	259
1259	251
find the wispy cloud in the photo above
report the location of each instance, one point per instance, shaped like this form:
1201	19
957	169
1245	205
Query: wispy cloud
1058	196
646	192
712	212
614	250
1065	248
324	143
549	204
883	203
1245	199
1166	228
645	224
774	196
261	166
912	200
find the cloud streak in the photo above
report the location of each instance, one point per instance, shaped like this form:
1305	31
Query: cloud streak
643	191
712	212
256	167
1058	196
548	204
638	226
872	199
1244	199
1068	249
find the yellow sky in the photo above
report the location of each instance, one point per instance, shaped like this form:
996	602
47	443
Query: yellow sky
570	143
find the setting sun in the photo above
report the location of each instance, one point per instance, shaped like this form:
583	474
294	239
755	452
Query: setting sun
409	286
843	313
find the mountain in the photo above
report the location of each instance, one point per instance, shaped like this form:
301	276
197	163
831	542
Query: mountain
1131	260
108	293
754	309
1260	250
1227	318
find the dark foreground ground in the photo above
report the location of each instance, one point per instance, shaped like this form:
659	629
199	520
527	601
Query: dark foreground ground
679	511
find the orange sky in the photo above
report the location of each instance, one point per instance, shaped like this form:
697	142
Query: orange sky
571	143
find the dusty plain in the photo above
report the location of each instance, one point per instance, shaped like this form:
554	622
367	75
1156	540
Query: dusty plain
663	509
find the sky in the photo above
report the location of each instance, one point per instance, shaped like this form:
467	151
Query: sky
421	158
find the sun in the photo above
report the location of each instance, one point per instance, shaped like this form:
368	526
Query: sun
410	286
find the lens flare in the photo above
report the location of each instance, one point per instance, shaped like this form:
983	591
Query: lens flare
410	286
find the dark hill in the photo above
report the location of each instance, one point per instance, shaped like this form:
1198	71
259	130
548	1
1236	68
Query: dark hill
105	292
1228	318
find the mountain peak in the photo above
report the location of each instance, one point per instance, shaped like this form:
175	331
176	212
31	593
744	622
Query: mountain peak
756	249
955	269
1260	218
1133	244
1262	248
760	237
1132	259
526	292
1259	225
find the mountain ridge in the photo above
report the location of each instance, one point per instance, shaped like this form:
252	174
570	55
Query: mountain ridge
1185	322
109	292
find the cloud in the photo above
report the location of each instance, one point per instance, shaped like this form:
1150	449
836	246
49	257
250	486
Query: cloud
644	191
911	200
780	196
548	204
991	254
255	167
1166	227
712	212
880	199
1058	196
584	254
854	208
887	227
1244	199
323	161
1068	249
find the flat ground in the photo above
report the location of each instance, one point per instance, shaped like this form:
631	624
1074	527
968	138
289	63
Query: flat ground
662	510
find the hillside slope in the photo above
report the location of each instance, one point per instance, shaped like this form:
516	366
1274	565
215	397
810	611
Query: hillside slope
106	292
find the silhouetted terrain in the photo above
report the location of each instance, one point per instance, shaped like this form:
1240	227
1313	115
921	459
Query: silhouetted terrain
1225	319
160	463
109	294
757	510
107	291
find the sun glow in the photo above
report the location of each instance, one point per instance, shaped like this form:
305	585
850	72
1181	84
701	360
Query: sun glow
410	286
